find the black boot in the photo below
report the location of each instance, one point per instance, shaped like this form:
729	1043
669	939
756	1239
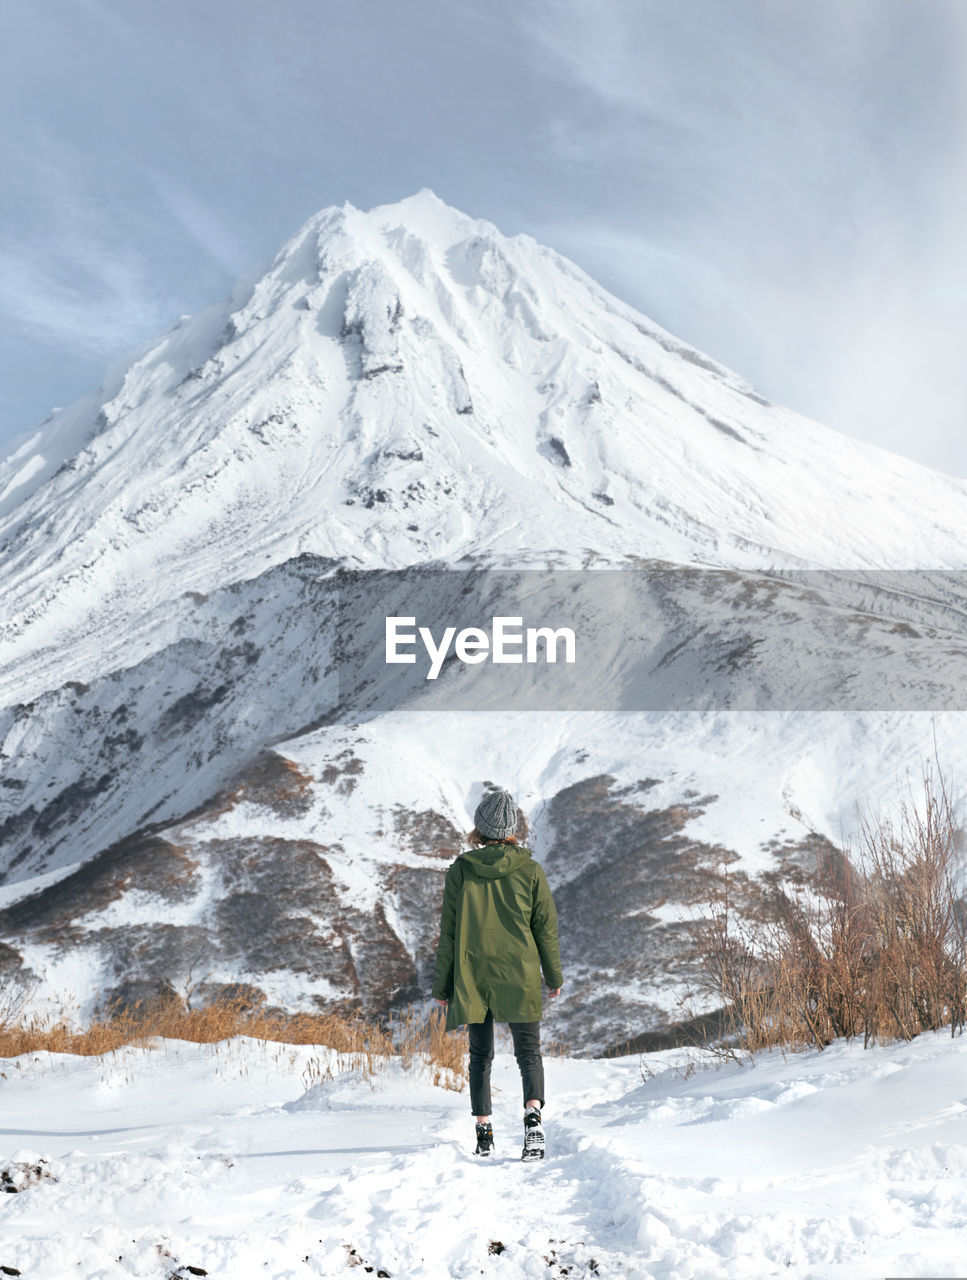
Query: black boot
533	1136
485	1139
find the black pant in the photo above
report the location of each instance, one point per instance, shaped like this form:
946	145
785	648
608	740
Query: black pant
527	1051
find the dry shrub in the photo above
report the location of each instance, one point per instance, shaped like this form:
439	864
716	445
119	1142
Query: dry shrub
446	1051
915	923
877	947
361	1046
555	1049
169	1018
426	1039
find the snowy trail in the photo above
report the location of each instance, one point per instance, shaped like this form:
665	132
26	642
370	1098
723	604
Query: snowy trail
848	1163
443	1213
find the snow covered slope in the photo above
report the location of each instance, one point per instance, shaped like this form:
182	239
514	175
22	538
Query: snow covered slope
316	876
841	1165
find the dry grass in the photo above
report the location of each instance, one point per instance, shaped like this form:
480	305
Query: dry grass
427	1039
877	947
555	1049
359	1045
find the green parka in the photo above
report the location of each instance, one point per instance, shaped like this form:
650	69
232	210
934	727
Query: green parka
498	931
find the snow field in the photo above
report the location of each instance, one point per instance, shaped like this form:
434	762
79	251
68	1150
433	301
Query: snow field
846	1163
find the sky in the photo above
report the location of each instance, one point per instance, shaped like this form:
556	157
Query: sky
782	185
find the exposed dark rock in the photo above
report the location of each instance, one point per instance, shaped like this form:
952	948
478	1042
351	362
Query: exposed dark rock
611	863
18	1176
558	450
342	771
240	995
13	828
387	975
269	921
403	453
145	861
263	429
165	954
126	742
809	860
727	430
134	994
276	783
11	961
231	656
17	980
427	832
58	811
417	896
190	709
695	1032
272	886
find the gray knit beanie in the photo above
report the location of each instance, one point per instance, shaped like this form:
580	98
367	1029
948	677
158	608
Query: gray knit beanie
496	815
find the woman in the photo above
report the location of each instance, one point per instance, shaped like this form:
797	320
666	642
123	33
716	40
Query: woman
498	931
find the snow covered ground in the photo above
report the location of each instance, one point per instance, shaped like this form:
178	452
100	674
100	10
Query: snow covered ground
182	1159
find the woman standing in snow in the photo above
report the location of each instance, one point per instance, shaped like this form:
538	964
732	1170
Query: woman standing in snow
498	932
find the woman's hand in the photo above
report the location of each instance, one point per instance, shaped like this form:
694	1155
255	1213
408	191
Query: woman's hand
552	994
442	1003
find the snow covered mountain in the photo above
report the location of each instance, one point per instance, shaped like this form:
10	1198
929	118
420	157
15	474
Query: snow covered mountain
408	385
201	769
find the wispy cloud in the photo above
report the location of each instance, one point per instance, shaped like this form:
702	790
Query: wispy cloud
211	228
786	186
67	273
783	185
83	293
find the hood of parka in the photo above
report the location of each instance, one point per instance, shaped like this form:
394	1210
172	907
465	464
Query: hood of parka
495	860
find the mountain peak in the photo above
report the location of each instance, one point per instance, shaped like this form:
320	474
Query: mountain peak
425	213
422	202
408	385
422	214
